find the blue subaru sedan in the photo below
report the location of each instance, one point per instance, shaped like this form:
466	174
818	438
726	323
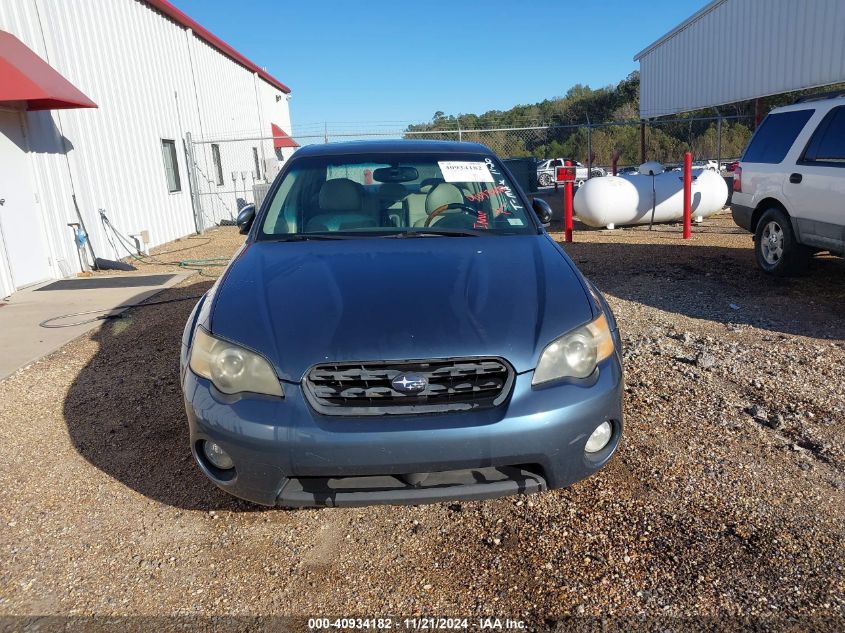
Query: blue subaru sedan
398	327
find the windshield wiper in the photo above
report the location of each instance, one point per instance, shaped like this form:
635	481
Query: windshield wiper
350	235
302	237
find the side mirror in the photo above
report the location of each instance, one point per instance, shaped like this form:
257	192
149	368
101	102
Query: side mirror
543	211
245	218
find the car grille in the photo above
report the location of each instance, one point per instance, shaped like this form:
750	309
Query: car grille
365	388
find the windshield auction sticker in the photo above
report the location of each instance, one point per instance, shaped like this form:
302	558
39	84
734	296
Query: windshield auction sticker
465	171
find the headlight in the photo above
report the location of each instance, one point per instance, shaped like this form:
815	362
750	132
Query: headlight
575	355
232	368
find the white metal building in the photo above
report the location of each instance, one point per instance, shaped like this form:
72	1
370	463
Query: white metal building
96	100
736	50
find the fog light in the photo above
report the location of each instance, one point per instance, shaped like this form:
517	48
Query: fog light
218	457
600	437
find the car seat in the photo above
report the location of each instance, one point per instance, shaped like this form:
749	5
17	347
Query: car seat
341	203
391	198
444	193
415	202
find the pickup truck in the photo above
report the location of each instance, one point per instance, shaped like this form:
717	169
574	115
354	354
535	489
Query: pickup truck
546	171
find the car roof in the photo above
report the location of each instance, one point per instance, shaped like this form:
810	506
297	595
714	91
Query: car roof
814	104
397	146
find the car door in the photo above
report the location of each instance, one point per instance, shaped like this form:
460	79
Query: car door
816	187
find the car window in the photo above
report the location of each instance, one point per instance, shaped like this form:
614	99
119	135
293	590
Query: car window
775	136
277	210
828	142
395	193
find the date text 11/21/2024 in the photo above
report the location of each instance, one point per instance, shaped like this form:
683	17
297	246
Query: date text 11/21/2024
416	624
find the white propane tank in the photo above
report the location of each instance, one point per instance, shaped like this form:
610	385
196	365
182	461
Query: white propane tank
605	201
619	200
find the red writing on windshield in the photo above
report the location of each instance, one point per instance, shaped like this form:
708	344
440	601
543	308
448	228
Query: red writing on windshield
486	194
481	222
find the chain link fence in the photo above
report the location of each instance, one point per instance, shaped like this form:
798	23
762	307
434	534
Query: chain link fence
718	139
229	173
226	174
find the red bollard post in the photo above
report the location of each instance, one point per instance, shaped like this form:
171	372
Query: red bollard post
567	202
687	195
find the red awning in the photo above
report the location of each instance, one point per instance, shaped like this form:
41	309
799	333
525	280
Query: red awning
30	81
280	139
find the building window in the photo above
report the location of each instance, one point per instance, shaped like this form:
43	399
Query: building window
171	165
257	164
218	165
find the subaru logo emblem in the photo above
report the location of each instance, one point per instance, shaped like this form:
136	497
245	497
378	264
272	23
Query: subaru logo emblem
409	383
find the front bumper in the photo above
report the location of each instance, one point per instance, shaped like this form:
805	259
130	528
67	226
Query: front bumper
287	454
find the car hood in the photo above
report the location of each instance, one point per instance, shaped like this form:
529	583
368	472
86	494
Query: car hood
302	303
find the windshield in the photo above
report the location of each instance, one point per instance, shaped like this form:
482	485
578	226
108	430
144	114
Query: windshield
395	194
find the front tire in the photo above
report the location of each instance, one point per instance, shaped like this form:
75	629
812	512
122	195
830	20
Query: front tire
545	180
776	250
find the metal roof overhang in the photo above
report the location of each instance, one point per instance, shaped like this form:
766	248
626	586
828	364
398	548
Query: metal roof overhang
31	83
738	50
690	20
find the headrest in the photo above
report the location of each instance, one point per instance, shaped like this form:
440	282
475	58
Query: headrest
430	183
341	194
444	193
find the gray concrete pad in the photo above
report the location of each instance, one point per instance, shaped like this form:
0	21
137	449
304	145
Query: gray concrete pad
23	340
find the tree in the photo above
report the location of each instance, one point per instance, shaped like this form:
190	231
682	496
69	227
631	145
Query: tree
566	134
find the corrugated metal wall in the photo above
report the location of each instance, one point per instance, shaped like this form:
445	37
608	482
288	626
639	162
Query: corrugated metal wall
743	49
152	79
252	105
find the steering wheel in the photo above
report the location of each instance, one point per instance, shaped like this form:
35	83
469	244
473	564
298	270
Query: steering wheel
452	205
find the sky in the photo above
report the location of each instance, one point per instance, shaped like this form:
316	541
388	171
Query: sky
401	61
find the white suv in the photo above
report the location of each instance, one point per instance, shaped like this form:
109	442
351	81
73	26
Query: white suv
789	188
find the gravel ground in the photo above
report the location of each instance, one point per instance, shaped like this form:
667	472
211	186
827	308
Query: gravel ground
726	499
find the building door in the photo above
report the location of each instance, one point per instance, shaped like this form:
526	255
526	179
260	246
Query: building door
20	219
